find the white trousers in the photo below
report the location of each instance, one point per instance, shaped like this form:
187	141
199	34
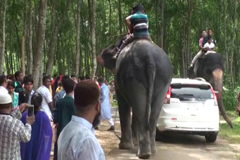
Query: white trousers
199	55
110	121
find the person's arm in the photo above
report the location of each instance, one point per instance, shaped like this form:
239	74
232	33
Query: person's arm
17	112
213	48
90	151
48	99
55	111
24	131
128	23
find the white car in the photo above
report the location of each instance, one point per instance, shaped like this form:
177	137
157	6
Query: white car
191	107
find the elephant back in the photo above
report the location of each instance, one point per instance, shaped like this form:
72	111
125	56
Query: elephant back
213	61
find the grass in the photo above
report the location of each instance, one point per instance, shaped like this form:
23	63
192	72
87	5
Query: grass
233	135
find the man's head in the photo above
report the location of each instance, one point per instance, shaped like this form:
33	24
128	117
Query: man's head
28	83
6	103
19	76
209	39
86	99
68	85
46	81
3	81
210	32
100	80
138	8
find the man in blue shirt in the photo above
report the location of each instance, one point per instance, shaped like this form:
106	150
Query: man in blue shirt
77	140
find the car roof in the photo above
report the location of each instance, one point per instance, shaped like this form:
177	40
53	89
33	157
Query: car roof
188	81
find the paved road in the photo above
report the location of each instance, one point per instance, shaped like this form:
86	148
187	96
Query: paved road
171	147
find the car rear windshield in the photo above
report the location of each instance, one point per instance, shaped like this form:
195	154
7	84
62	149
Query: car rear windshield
191	92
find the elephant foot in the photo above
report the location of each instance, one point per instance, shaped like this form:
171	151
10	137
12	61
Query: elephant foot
126	145
144	154
153	150
135	142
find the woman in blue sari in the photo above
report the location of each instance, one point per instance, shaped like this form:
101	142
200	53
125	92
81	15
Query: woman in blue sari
39	147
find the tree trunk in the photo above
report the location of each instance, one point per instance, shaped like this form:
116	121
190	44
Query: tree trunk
120	16
40	42
53	39
93	36
2	34
162	24
78	29
225	39
190	8
233	46
30	38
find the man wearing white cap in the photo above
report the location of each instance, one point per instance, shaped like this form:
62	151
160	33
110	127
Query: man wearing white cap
12	130
17	111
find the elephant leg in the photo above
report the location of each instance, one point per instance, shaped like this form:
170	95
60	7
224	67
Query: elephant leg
135	130
124	114
155	111
138	97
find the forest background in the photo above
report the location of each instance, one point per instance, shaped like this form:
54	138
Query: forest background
65	36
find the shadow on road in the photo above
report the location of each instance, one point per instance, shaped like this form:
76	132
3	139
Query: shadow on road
176	138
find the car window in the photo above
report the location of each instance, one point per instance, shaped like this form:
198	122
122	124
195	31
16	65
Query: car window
191	93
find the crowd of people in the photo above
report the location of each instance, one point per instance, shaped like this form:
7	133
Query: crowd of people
63	103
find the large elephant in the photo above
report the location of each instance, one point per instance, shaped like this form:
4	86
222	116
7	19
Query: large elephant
143	74
211	67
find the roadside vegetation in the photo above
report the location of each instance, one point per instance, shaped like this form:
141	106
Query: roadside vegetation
233	135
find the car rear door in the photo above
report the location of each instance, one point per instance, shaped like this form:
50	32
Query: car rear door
193	101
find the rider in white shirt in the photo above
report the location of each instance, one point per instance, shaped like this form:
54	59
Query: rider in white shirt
209	46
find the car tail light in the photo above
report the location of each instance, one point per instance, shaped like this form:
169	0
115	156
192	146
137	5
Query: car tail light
168	96
214	96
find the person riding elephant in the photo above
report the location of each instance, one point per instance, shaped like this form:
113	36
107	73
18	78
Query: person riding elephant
207	48
137	24
211	67
142	76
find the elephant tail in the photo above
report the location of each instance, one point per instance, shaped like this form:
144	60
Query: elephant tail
151	73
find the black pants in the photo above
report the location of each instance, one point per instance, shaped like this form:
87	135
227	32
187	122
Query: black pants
130	40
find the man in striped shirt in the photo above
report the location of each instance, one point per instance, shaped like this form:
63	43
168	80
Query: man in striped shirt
137	24
12	130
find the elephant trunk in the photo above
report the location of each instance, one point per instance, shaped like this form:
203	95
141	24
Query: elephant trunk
217	86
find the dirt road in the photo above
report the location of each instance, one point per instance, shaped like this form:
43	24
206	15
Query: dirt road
171	147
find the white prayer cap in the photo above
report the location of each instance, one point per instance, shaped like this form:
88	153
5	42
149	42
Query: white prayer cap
5	99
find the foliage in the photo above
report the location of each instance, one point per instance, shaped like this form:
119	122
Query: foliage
230	99
233	135
182	23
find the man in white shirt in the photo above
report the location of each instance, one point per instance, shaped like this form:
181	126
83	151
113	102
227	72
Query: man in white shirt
47	103
77	140
3	84
209	46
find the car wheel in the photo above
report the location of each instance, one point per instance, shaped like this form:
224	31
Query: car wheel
211	137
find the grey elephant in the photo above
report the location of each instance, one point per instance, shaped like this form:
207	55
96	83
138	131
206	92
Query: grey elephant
211	67
143	74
